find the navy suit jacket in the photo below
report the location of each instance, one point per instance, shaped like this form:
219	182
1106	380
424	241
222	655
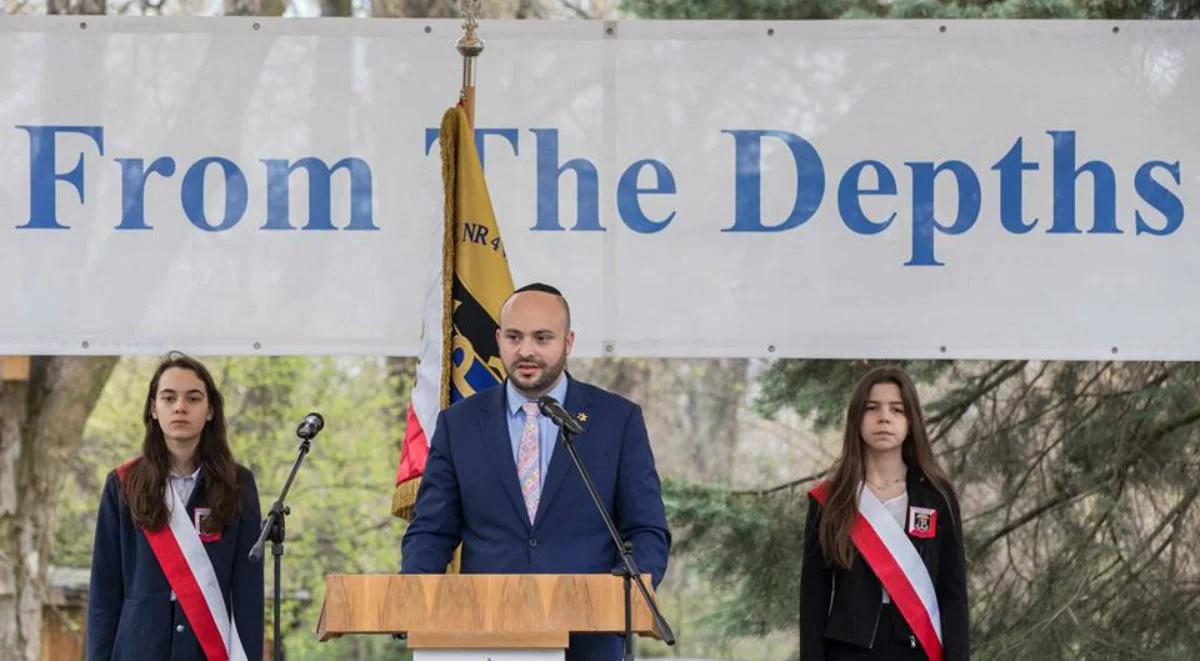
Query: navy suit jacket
130	613
470	494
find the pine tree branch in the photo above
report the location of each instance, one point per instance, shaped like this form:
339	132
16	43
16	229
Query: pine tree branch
945	419
1077	492
574	7
780	487
1041	456
1173	517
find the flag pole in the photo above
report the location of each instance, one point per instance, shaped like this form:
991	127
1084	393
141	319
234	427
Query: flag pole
469	46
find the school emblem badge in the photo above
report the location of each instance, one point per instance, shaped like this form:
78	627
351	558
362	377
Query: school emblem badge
198	517
922	522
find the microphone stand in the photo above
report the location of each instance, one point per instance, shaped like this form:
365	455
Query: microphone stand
272	529
629	570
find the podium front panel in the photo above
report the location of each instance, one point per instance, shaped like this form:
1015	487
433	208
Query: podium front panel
537	604
488	655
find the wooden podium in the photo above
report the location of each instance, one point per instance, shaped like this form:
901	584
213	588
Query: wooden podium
481	617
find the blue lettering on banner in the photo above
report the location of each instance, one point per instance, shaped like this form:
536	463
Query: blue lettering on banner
1157	196
932	220
133	188
1011	168
1066	176
319	174
810	181
510	135
549	172
924	223
44	148
43	141
928	223
849	191
192	193
628	192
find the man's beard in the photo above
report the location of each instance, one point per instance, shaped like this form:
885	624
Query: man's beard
549	375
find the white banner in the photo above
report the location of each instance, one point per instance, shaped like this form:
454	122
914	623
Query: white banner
824	189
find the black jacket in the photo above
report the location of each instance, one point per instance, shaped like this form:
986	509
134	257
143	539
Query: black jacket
844	605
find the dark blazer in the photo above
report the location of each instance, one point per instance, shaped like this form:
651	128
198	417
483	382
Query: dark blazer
844	605
130	613
469	493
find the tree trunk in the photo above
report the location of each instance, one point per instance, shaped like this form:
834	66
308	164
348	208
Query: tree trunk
41	424
690	406
712	392
98	7
449	9
254	7
414	8
340	8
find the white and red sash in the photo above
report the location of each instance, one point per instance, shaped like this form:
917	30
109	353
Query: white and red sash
188	569
889	553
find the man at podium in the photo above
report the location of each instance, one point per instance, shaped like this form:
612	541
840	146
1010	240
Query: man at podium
496	480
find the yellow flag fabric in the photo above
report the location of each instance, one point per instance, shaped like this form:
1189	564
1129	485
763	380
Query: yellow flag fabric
481	279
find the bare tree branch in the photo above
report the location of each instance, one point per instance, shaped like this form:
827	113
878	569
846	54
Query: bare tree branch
576	9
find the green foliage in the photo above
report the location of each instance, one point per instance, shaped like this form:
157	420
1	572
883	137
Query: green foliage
817	389
340	500
726	533
927	9
734	9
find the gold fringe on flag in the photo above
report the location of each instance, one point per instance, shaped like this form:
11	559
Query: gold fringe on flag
404	498
448	143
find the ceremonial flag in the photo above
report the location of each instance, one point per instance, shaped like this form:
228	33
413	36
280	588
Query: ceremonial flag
459	354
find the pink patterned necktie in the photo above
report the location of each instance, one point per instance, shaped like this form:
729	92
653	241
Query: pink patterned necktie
529	460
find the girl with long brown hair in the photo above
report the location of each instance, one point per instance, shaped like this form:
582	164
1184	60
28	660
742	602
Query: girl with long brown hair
884	574
171	574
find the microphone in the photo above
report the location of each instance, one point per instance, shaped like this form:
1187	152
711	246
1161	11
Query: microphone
553	410
310	426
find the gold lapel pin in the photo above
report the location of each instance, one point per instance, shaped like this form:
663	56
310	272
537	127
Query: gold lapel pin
582	417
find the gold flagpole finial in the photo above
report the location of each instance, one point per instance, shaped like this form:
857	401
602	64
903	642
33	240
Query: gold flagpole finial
469	46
